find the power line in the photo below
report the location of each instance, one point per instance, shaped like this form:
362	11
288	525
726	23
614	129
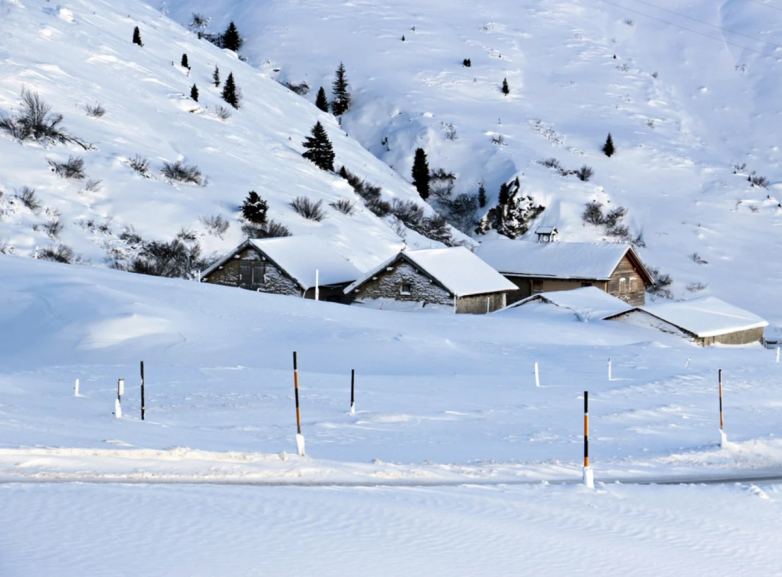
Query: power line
708	24
722	40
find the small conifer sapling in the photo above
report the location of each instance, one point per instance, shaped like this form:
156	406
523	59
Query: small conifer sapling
481	196
505	87
185	63
231	92
216	77
341	102
254	208
421	173
608	147
231	39
319	149
137	36
194	92
320	101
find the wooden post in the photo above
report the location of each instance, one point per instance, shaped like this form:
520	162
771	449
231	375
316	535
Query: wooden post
317	290
76	388
352	391
588	478
118	403
143	400
299	436
723	436
537	375
609	370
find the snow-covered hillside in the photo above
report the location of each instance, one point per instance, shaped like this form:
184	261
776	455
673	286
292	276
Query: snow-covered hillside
683	109
80	53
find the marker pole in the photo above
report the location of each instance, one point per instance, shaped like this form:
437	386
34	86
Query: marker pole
352	391
723	436
299	436
76	388
588	478
609	370
537	375
143	399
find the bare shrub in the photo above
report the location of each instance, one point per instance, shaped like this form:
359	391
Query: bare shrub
95	110
36	122
499	140
28	198
761	181
130	237
53	229
409	212
180	172
271	229
174	259
615	216
199	21
344	206
186	234
92	185
308	209
141	165
450	131
585	173
73	168
300	89
369	193
661	284
696	258
619	231
60	253
222	112
593	213
550	163
696	287
215	225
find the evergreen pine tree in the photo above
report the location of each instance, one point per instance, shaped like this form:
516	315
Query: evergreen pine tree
504	195
421	173
319	148
481	196
403	37
194	93
254	208
231	39
230	92
505	87
137	36
216	77
321	101
185	63
608	147
341	102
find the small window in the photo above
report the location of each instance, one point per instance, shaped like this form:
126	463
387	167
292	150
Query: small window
633	285
406	289
585	284
537	286
622	285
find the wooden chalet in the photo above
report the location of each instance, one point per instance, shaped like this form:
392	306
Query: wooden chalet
452	278
541	267
296	265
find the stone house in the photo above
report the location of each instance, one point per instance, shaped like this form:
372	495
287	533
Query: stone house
295	265
452	278
705	321
541	267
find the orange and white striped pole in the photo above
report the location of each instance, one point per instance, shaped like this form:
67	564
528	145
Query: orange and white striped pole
299	436
588	478
723	436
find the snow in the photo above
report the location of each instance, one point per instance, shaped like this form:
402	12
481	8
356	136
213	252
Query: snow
564	260
456	268
587	303
705	316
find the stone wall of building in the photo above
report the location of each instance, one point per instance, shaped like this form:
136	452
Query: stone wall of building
250	270
389	284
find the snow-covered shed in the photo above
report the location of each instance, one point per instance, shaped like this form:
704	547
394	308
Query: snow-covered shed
285	266
452	277
705	320
557	266
586	303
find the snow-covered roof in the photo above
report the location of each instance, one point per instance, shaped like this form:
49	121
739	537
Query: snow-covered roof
586	302
703	317
300	257
457	269
546	229
563	260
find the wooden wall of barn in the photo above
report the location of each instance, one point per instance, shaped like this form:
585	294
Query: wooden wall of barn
480	304
634	290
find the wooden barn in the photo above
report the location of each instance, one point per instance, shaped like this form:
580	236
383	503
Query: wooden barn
705	321
541	267
293	265
450	278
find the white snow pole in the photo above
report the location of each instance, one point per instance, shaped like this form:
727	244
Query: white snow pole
687	366
588	477
609	370
777	354
299	436
537	375
120	388
723	436
76	388
317	290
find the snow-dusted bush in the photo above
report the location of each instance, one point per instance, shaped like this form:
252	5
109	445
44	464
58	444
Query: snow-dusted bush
301	89
35	122
585	173
180	172
271	229
593	213
661	285
215	225
95	110
60	253
696	258
27	197
140	165
73	168
175	259
254	208
756	180
369	193
311	210
92	185
513	214
53	229
696	287
344	206
615	216
222	113
412	215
